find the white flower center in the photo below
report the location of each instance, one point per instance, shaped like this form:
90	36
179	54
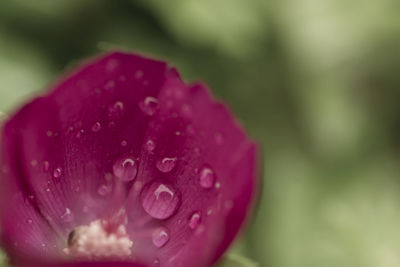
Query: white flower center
95	242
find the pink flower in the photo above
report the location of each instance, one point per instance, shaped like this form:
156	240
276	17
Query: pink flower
123	162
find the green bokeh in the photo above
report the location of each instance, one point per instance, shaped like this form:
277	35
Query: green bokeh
315	81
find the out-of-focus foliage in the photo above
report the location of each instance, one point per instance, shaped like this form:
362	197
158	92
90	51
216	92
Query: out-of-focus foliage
315	81
233	260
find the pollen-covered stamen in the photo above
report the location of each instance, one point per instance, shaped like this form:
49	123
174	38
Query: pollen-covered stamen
97	241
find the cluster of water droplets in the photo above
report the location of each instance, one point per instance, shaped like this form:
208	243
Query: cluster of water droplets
159	199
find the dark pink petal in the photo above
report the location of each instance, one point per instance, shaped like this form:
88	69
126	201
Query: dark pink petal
214	174
61	148
126	132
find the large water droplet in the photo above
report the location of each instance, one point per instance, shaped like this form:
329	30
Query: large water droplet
160	237
194	220
160	200
57	172
96	127
149	105
166	164
125	169
207	177
103	190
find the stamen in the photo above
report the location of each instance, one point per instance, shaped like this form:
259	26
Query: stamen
96	242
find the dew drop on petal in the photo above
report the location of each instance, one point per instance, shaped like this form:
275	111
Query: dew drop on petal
57	172
156	263
46	166
160	237
150	145
219	139
29	221
160	200
124	143
149	105
67	216
207	177
116	110
194	220
80	133
187	111
125	169
228	204
139	74
103	190
96	127
166	164
217	185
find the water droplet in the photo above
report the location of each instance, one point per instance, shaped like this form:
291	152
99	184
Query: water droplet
194	220
139	74
160	237
108	176
46	166
96	127
112	65
103	190
207	177
219	139
80	133
67	216
228	204
57	172
209	211
125	169
166	164
116	110
149	105
190	130
85	209
124	143
111	124
156	263
150	145
29	221
109	85
70	129
217	185
160	200
34	163
187	111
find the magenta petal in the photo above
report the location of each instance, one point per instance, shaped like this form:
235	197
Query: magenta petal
214	173
125	131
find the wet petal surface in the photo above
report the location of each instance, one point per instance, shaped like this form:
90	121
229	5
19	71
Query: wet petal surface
125	140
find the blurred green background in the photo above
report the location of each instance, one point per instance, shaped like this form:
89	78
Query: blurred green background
317	82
